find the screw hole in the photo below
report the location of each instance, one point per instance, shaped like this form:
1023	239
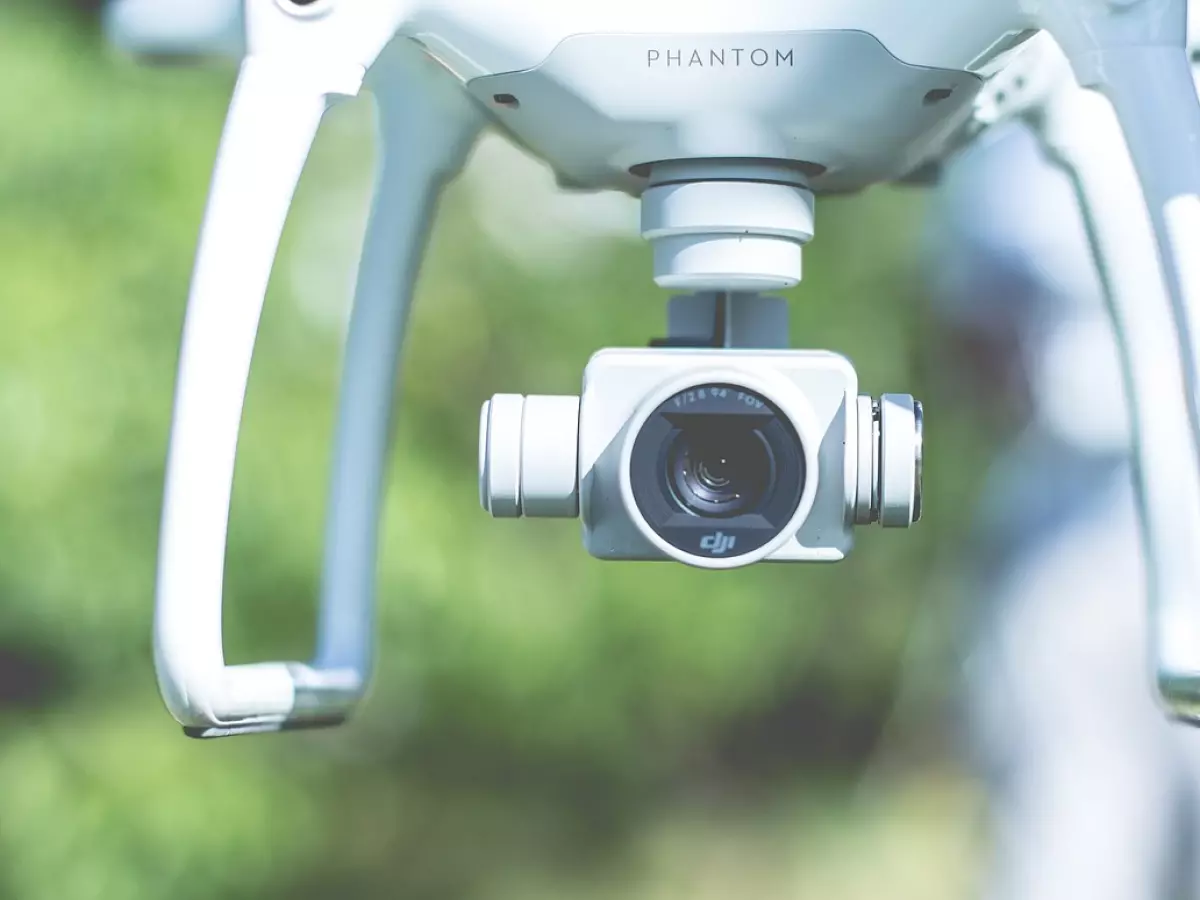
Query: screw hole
508	101
937	95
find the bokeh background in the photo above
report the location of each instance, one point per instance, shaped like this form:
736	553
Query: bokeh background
542	725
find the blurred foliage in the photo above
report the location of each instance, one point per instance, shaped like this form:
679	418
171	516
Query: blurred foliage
537	716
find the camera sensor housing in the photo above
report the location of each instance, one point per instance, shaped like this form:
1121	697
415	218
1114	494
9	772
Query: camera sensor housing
718	458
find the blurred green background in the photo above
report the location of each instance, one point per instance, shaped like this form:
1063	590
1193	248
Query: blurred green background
542	725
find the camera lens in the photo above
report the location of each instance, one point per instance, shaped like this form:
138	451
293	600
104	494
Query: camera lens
717	470
720	472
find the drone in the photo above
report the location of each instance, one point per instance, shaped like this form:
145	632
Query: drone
716	446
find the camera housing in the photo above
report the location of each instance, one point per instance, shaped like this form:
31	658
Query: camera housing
784	419
717	458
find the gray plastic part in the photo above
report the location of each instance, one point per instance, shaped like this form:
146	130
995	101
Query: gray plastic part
750	321
271	727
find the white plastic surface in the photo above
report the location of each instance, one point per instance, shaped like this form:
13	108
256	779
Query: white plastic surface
479	37
727	235
550	457
614	82
897	460
626	113
1152	308
171	28
412	97
274	116
728	207
500	466
329	32
718	79
272	121
1081	131
726	263
1089	30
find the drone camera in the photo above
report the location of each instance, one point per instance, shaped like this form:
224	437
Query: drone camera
716	458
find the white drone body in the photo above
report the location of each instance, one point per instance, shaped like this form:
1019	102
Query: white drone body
727	121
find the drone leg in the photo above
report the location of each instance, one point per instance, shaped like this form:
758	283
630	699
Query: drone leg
1134	52
277	109
426	125
1080	130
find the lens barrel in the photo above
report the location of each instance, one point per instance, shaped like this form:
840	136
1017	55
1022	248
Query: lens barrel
721	469
717	470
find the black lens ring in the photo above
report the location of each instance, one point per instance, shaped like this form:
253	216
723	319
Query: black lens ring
683	525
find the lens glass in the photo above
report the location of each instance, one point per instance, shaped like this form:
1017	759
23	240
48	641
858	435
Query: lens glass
719	471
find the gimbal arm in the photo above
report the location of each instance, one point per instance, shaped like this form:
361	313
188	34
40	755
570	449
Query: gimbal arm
425	127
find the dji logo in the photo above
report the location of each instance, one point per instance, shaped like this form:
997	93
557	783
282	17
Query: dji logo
718	543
